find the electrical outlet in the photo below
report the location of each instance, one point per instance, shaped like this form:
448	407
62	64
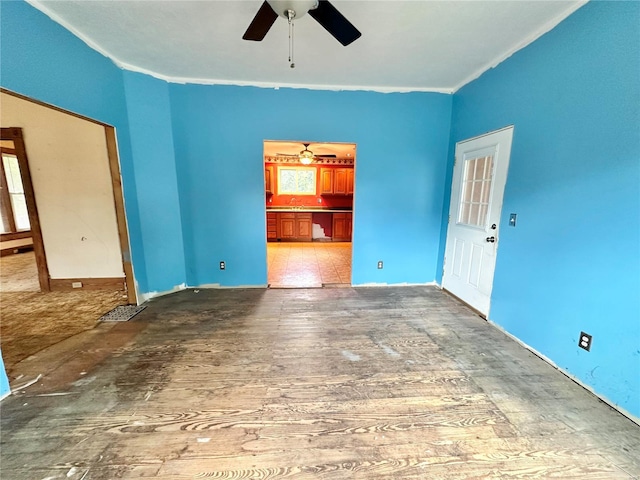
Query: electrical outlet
222	266
585	341
76	284
380	265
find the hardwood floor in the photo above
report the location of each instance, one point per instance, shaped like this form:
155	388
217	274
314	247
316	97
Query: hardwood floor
309	264
32	321
366	383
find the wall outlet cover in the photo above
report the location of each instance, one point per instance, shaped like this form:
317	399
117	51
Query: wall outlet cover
585	341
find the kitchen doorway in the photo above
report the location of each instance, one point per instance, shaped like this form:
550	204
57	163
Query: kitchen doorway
309	191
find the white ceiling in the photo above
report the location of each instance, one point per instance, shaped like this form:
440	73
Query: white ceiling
405	45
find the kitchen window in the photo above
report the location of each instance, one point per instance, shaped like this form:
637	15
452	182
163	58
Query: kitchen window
296	180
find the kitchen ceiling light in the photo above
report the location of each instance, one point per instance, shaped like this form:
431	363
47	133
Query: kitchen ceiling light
306	156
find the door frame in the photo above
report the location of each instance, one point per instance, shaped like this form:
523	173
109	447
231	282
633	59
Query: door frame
273	175
452	214
14	134
118	197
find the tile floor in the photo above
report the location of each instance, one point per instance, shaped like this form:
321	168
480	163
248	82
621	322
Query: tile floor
308	264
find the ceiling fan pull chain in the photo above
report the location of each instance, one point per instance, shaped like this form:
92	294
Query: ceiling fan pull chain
290	15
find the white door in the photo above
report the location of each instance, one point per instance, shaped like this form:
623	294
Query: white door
479	177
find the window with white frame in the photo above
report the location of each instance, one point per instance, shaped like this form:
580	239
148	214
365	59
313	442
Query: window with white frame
296	180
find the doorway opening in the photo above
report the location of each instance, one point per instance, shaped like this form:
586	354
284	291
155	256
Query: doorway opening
309	191
65	248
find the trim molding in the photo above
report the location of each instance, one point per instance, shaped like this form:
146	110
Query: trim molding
619	409
546	359
547	27
5	252
107	283
51	106
318	160
41	6
5	237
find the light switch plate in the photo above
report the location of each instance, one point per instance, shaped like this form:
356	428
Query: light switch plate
512	220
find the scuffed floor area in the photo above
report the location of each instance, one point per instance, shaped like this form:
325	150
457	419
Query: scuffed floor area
31	321
333	383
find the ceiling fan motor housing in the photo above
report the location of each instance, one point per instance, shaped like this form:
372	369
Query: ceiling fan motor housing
300	7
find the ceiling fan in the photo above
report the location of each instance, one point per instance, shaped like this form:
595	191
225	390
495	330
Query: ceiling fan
321	10
306	156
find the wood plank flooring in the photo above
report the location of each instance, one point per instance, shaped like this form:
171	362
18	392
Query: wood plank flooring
365	383
31	321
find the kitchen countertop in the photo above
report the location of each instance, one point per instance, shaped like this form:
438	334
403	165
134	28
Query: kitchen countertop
309	209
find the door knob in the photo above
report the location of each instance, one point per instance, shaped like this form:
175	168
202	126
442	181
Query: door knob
491	239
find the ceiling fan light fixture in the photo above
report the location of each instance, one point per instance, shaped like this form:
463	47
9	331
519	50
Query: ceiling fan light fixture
306	157
299	7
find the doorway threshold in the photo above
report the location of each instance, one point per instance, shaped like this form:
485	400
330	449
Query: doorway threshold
282	286
323	285
336	285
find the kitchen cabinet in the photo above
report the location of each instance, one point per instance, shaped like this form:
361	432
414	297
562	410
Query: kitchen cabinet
268	179
295	227
336	181
326	181
340	181
342	227
272	226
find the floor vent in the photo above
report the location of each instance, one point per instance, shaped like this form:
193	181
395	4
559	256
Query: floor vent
123	313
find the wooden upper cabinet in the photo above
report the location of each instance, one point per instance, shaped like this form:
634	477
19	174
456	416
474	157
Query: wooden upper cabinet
326	181
350	180
268	179
340	181
336	181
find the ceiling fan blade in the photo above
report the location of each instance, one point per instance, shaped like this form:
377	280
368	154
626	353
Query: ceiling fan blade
327	156
261	23
335	23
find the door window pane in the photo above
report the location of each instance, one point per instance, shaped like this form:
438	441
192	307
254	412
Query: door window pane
476	191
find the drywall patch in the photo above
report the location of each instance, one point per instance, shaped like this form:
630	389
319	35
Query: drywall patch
145	297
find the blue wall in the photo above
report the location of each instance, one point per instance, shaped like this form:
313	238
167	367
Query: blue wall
402	142
572	263
4	381
157	190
